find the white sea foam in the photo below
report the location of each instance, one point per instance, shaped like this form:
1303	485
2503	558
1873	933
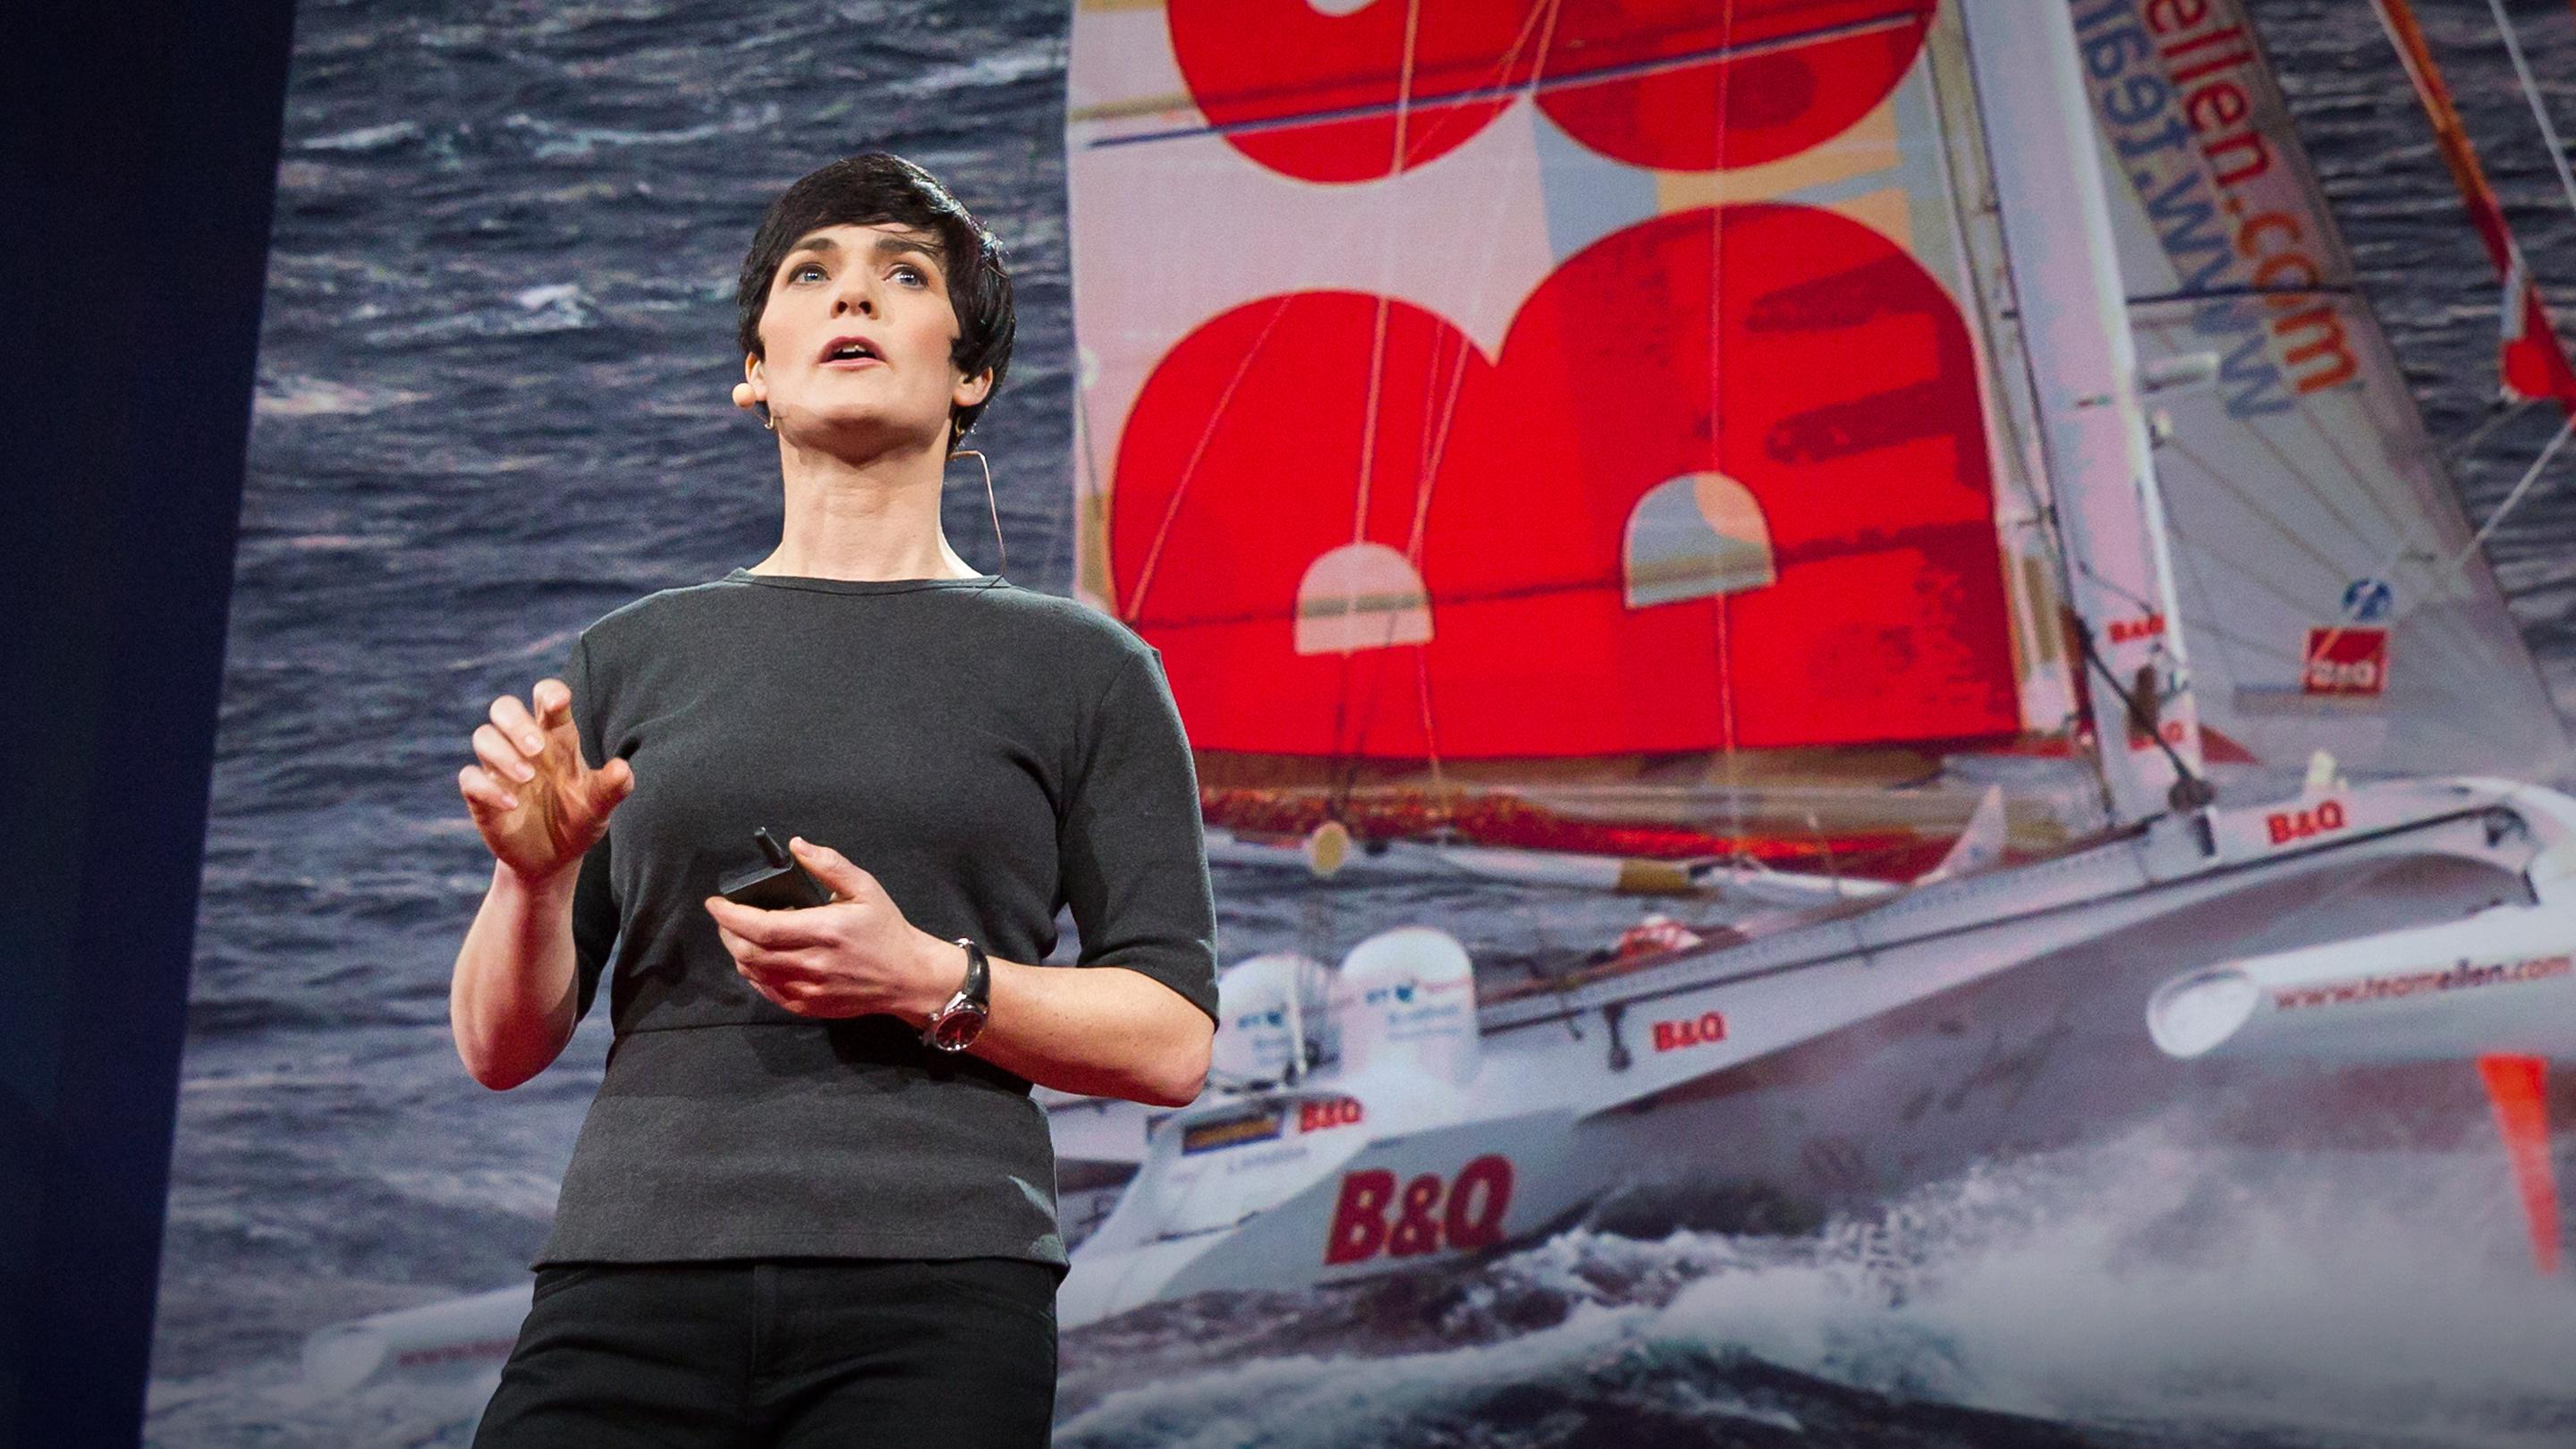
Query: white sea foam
2151	1278
310	397
2149	1281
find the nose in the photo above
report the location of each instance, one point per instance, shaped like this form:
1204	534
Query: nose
857	293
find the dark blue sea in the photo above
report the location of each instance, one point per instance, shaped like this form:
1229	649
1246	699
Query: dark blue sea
493	406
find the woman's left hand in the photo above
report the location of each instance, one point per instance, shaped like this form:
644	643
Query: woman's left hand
855	956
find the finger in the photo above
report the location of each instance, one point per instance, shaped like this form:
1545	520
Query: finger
517	725
773	995
482	792
611	783
500	757
749	926
832	868
788	930
553	701
748	954
770	930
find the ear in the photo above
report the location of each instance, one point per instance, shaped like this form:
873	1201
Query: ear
972	390
751	375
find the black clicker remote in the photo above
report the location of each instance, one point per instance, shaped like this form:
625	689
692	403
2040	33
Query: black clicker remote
777	884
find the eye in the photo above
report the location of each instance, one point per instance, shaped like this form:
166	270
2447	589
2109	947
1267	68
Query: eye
910	274
801	268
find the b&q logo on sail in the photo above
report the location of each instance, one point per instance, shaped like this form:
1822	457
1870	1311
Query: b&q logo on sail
2285	826
2345	661
1324	1116
2125	630
1432	1214
1690	1031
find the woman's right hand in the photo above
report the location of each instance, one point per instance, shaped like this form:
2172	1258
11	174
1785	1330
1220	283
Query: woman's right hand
538	803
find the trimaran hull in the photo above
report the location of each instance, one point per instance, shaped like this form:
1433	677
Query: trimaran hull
1836	1062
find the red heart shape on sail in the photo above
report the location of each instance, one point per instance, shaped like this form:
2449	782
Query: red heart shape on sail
1584	524
1677	85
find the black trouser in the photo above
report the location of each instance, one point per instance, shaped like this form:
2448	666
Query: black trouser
800	1354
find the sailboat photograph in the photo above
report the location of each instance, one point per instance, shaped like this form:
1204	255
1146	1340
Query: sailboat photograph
1521	513
1866	776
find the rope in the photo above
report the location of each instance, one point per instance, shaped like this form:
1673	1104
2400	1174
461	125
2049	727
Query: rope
2531	93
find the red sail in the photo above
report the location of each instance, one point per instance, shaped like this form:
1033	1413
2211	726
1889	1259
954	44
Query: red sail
1802	380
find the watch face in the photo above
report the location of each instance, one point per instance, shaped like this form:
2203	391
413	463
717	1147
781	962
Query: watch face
954	1029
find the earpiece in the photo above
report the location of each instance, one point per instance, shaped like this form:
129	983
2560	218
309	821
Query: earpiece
989	503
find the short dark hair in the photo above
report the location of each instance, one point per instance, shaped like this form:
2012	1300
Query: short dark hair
877	189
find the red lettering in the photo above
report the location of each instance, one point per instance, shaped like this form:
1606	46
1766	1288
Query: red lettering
1434	1214
1486	1183
1359	1218
2165	17
2258	162
1324	1116
2124	630
2285	826
1708	1026
1416	1231
2215	106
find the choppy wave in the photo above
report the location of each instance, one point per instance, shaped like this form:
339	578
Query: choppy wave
2147	1286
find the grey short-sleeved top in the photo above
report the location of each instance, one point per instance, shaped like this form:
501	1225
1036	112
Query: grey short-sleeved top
991	755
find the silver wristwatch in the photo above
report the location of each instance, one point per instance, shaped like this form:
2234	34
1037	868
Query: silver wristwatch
955	1026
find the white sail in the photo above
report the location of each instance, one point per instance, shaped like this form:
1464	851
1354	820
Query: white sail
2328	583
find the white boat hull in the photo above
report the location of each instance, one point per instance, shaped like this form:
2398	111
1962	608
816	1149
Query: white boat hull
1841	1061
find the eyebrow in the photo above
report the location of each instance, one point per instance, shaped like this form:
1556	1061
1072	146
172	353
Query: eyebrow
887	245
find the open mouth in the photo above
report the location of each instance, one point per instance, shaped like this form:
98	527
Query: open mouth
851	349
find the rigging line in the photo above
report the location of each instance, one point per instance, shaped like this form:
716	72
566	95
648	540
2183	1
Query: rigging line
2459	452
2294	538
2316	490
1436	442
2187	786
1135	607
1594	582
1430	737
2113	586
1385	269
1375	402
2215	291
1436	436
1725	602
2531	92
2458	561
1894	20
2292	605
2388	516
2530	476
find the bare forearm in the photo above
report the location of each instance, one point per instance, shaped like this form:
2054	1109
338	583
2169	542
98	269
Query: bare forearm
511	1002
1102	1031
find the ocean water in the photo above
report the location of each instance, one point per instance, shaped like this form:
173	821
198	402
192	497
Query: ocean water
493	406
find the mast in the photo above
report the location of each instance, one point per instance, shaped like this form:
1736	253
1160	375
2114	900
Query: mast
2065	279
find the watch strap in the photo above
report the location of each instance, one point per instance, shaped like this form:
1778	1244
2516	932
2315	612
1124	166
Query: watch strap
973	999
